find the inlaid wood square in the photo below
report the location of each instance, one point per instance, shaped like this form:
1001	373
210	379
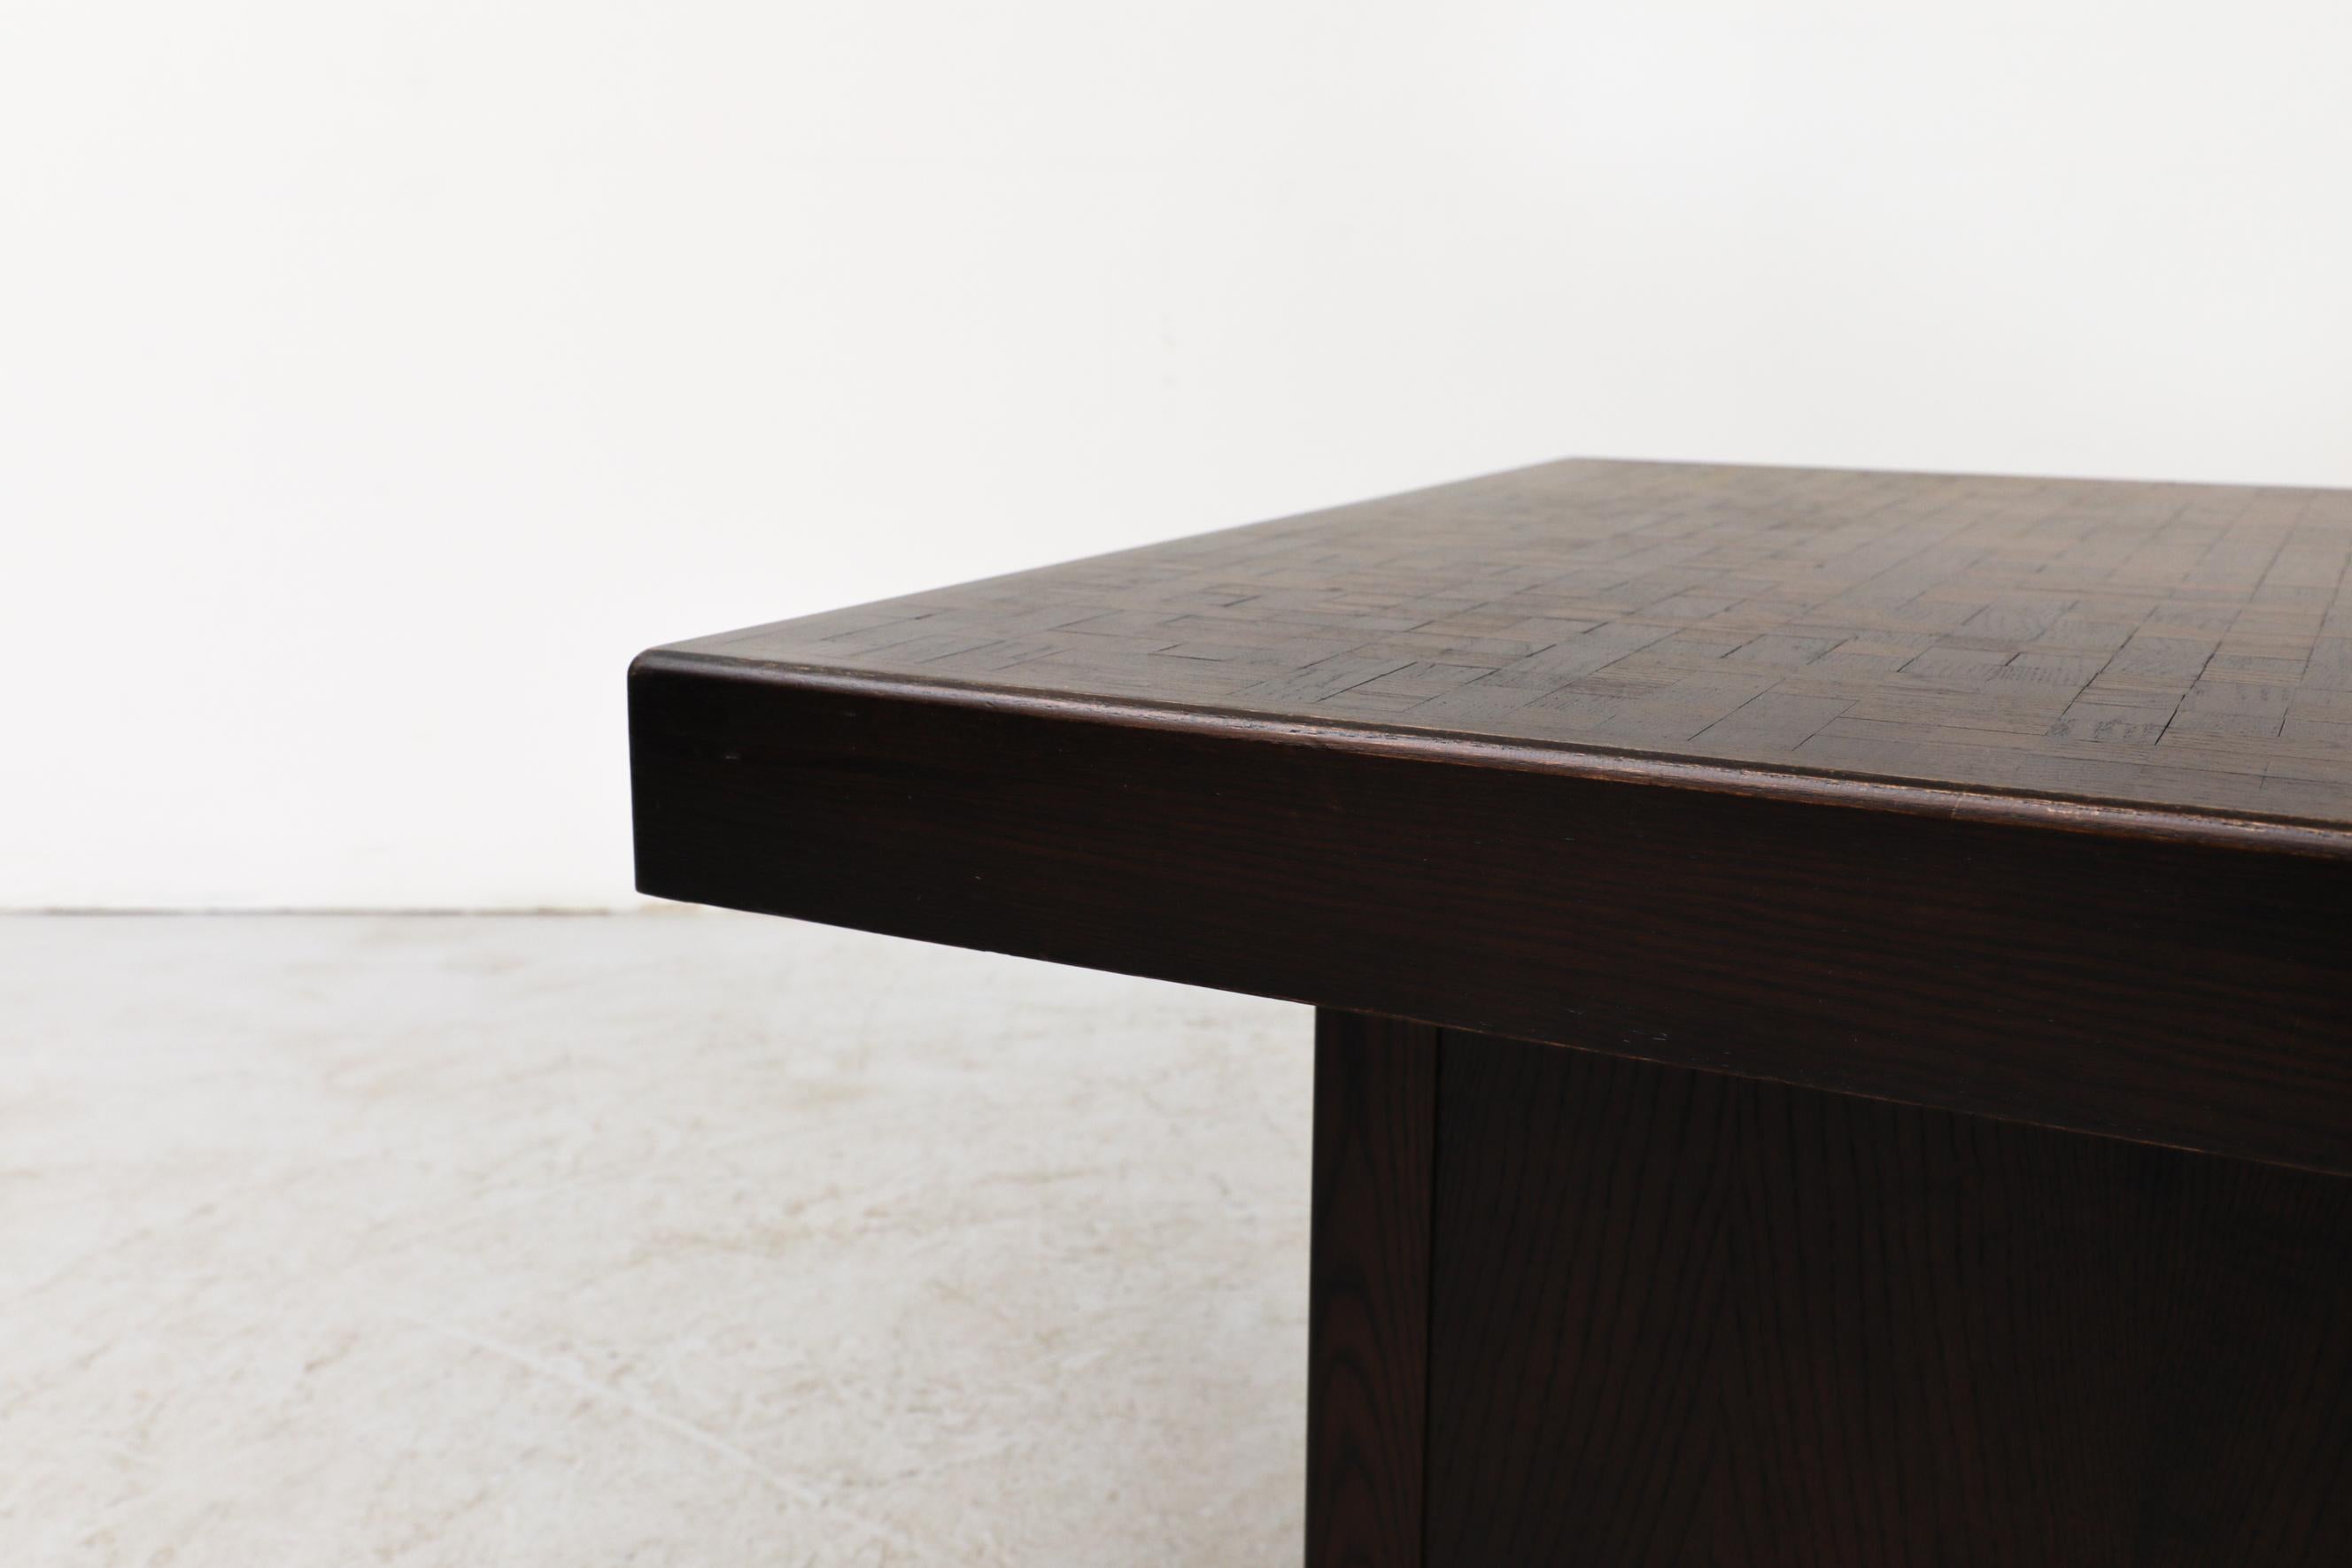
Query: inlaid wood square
2176	645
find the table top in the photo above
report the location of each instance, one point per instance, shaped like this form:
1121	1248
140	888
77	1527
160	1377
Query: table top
2029	798
2178	648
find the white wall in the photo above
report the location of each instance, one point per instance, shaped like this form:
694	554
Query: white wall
375	377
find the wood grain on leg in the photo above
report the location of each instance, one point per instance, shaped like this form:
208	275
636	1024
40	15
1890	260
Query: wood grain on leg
1375	1110
1681	1318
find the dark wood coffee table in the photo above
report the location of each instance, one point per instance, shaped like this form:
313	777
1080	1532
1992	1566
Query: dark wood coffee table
1836	987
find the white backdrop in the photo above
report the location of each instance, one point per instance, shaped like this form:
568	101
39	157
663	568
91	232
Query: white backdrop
376	377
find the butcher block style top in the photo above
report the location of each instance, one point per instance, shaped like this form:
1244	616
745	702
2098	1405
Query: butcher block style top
2021	798
2178	646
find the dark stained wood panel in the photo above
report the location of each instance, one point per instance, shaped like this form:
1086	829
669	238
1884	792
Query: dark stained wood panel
2018	797
2172	991
2181	647
1368	1294
1683	1319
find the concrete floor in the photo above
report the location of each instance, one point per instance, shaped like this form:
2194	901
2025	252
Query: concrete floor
666	1238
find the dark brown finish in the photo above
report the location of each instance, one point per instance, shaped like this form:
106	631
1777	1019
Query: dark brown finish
2180	646
1931	815
1681	1318
1375	1112
2178	992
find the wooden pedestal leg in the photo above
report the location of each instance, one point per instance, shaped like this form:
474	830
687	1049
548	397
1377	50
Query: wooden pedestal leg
1598	1311
1375	1110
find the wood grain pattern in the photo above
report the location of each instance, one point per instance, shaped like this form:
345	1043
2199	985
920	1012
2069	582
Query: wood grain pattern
2175	992
1930	814
1680	1319
2185	647
1375	1119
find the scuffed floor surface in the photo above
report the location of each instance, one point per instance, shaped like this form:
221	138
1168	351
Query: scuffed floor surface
663	1238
